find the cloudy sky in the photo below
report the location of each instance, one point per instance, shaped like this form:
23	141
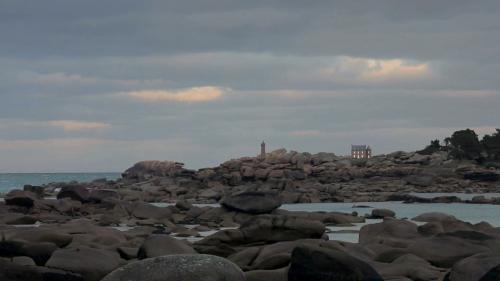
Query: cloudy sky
97	85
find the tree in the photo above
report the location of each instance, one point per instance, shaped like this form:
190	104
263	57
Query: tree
491	145
465	144
435	146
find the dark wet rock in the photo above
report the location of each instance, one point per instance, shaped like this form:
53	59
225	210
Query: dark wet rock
482	176
253	202
382	213
92	264
446	199
38	190
160	245
183	205
492	275
315	263
20	198
74	192
179	268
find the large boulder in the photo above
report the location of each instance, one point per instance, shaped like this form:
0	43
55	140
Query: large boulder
473	267
320	264
20	198
161	245
389	231
434	217
382	213
179	268
92	264
41	235
492	275
75	192
17	219
410	266
11	271
273	228
444	250
252	202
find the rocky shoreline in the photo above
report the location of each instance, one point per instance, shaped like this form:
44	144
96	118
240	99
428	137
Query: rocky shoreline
110	230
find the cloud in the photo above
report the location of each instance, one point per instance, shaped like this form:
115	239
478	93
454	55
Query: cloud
375	70
67	125
195	94
73	125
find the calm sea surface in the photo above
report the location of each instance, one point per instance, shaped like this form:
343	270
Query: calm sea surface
15	180
467	212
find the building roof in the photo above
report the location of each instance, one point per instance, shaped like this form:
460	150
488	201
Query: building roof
360	147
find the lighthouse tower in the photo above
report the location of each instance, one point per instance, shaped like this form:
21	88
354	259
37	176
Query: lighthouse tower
263	150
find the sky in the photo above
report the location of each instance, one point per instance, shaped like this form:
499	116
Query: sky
98	85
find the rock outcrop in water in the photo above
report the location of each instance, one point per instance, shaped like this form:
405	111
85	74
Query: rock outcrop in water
311	178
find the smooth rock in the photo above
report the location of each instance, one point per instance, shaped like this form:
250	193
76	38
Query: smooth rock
252	202
320	264
160	245
92	264
178	268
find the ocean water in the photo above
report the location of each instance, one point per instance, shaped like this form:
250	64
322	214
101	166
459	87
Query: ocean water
466	212
9	181
472	213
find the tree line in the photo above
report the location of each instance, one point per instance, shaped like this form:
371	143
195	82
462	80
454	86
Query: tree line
465	144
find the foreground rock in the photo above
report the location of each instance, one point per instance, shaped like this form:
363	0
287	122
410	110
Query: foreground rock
474	267
179	268
253	202
318	264
92	264
20	198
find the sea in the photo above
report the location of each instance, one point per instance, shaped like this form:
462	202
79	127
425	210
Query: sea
9	181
